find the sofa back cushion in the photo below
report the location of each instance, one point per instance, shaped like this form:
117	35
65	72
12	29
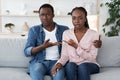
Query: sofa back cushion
109	53
12	52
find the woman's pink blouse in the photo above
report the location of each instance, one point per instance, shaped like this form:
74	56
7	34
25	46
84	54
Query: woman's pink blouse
85	52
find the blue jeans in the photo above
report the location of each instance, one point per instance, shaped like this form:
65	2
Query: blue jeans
80	72
40	69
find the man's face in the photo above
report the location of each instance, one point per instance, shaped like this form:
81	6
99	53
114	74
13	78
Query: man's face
46	16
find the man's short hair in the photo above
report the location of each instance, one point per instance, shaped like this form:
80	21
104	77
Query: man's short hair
47	6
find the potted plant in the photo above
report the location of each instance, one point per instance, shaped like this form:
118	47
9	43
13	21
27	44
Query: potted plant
9	26
113	21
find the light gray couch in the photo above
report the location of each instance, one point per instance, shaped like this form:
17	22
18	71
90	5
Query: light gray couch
13	63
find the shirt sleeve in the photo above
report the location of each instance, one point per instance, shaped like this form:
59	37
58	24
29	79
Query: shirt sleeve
64	54
30	43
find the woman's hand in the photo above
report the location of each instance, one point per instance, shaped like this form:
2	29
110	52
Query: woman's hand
56	67
97	43
72	43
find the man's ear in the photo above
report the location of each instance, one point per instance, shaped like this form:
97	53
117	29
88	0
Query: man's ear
86	19
53	15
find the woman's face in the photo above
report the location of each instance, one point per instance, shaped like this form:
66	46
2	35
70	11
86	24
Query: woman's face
78	18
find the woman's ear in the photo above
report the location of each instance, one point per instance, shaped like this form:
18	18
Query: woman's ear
85	21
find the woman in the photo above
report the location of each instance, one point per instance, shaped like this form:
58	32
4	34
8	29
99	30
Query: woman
78	48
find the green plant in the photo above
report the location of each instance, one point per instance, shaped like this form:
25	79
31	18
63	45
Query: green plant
113	21
9	25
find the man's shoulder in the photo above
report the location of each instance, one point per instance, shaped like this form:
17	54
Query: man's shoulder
36	27
62	26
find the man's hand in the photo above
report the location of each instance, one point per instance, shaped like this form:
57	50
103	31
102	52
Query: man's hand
47	43
97	43
72	43
55	68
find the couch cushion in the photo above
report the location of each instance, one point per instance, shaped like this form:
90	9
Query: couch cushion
109	53
14	74
12	52
107	74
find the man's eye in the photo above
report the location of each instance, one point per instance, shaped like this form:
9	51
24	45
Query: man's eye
73	18
42	14
80	17
45	14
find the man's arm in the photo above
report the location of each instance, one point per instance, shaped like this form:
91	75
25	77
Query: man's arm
46	44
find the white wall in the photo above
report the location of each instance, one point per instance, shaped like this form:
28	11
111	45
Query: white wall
62	7
103	15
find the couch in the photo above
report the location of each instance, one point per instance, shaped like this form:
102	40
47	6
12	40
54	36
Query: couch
13	63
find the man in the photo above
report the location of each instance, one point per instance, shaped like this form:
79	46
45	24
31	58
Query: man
44	45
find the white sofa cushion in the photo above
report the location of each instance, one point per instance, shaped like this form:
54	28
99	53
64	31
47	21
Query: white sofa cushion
109	53
12	52
112	73
14	74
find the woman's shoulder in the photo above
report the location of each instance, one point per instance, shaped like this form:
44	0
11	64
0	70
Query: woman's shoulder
92	31
69	30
